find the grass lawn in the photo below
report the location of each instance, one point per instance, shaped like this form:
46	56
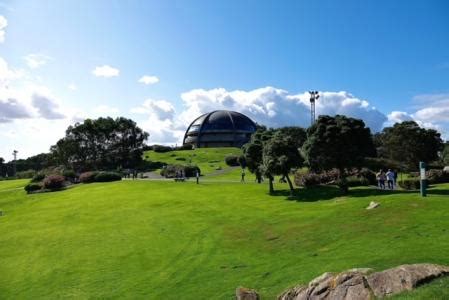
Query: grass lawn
166	240
207	159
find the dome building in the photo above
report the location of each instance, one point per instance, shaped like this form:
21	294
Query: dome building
220	128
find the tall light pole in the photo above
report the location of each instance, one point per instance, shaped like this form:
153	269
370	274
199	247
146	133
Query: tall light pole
14	153
313	97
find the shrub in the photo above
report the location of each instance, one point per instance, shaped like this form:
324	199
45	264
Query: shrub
38	177
88	177
368	176
107	177
181	158
32	187
437	176
185	147
188	171
54	182
162	148
69	175
25	174
410	184
232	160
353	181
307	179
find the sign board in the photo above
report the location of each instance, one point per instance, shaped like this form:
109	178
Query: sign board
423	174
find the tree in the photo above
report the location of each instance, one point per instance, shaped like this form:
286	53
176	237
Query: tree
279	156
445	154
103	143
337	142
2	161
298	134
409	144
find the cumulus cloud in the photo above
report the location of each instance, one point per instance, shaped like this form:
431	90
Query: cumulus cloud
398	117
35	61
11	109
3	24
268	106
47	107
105	71
146	79
276	107
7	74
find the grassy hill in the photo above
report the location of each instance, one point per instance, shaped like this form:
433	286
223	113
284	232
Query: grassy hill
166	240
209	160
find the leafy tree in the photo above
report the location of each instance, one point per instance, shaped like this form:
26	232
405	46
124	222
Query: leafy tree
445	154
337	142
298	134
103	143
409	144
2	161
279	156
252	151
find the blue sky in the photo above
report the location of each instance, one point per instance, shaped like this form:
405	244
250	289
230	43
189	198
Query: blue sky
383	61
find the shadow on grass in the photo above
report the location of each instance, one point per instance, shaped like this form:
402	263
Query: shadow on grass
329	192
438	192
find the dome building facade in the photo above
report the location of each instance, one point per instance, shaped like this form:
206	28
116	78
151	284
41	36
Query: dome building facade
220	128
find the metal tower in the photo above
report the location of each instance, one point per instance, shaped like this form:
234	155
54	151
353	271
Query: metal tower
313	97
14	153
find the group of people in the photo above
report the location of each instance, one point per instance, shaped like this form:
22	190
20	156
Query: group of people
390	177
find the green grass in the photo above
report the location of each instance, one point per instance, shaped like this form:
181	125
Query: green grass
166	240
207	159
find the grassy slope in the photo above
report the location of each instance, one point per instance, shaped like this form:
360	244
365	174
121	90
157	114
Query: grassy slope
208	159
165	240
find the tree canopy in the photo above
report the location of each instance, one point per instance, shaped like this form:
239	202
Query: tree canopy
337	142
409	144
103	143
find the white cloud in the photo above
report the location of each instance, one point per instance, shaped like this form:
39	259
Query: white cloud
35	61
105	71
7	74
47	107
3	24
72	87
398	117
11	109
146	79
276	107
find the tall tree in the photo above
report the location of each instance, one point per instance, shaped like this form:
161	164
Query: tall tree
2	161
408	143
280	155
252	151
337	142
104	143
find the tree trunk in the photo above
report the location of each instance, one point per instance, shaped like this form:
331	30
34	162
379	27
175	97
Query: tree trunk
259	178
271	184
290	184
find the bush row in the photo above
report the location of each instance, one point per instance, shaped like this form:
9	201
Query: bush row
95	176
356	178
170	171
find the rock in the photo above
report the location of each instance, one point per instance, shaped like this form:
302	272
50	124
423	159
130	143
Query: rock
362	284
372	205
405	277
242	293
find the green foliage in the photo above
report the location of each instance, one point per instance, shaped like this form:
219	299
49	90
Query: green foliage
170	171
232	160
32	187
88	177
69	175
162	148
410	183
38	177
25	174
107	176
337	142
103	143
376	163
54	182
409	144
437	176
445	154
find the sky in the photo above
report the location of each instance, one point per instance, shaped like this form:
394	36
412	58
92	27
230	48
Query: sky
163	63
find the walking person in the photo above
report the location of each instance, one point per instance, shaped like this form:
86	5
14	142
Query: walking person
243	176
197	174
381	179
390	179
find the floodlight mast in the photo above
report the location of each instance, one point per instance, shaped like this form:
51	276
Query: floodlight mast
313	97
14	153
